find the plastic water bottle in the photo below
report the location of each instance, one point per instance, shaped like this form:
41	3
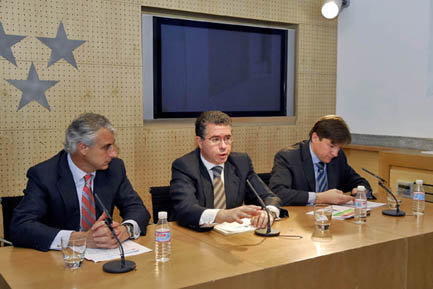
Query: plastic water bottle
361	206
162	239
418	197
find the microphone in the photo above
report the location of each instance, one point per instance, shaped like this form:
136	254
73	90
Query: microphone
115	266
377	177
395	213
268	232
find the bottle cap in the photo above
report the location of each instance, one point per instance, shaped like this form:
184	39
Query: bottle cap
360	188
419	182
162	215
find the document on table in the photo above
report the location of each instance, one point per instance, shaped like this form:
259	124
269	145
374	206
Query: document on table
234	228
348	210
370	205
130	248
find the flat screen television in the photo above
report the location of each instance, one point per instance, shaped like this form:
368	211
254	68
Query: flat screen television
200	66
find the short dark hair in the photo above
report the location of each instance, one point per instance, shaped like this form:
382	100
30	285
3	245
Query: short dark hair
83	129
213	116
332	127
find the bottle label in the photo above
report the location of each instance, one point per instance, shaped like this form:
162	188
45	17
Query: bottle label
360	203
162	236
418	196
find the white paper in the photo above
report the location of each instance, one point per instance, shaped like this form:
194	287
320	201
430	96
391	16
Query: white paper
370	205
427	152
130	248
235	227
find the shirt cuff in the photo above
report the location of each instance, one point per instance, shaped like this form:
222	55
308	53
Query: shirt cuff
136	230
56	244
275	210
311	198
207	218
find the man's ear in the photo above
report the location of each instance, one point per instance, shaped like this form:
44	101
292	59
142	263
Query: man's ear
199	141
82	148
314	137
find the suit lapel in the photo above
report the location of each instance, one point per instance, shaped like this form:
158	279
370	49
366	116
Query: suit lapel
331	172
307	165
206	184
231	184
102	188
67	189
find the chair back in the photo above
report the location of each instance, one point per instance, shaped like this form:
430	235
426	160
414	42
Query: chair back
161	201
8	205
265	177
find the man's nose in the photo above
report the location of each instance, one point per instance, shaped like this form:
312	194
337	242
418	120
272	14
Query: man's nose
113	152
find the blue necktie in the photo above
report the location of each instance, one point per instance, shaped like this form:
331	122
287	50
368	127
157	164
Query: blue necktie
322	180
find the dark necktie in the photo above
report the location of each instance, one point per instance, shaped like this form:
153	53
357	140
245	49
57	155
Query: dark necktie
218	189
322	180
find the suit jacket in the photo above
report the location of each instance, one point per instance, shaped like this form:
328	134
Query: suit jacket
293	175
191	188
50	202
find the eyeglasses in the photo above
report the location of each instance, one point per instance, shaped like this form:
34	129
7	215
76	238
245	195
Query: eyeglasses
215	140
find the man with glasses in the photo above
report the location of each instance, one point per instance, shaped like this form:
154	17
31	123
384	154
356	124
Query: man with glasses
208	185
316	170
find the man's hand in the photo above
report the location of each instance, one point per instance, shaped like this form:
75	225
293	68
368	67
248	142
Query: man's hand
332	196
99	236
261	220
237	214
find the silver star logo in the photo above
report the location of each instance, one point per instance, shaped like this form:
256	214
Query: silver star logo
33	89
61	47
6	42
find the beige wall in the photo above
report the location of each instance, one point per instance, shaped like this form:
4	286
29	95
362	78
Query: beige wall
108	81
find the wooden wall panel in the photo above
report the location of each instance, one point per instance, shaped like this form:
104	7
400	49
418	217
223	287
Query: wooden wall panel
109	81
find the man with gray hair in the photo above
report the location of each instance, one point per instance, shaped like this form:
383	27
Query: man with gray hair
59	198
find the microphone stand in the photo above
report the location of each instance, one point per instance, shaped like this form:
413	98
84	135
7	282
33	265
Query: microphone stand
395	213
268	232
116	266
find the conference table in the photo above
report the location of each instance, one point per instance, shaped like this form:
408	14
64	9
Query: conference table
386	252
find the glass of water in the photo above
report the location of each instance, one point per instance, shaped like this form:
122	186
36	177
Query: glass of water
322	217
73	252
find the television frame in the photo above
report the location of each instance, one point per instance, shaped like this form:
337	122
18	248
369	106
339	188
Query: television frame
158	112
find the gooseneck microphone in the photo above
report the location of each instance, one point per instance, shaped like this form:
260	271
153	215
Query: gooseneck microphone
116	266
395	213
268	231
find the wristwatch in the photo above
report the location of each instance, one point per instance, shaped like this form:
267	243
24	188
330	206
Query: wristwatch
129	229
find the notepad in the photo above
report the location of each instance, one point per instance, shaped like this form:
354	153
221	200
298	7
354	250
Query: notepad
235	228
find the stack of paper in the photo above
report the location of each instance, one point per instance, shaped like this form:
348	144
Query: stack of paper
348	210
234	228
130	248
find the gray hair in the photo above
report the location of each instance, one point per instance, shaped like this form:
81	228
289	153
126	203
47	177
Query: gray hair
83	129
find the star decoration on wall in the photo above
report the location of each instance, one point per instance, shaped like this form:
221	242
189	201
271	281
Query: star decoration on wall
6	42
61	47
33	89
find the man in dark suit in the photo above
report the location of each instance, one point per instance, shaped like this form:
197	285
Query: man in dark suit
59	202
316	171
208	185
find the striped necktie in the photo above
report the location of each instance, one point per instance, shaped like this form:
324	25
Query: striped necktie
218	188
322	179
88	216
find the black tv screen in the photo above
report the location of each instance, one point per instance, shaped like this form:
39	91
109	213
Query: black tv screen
200	66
